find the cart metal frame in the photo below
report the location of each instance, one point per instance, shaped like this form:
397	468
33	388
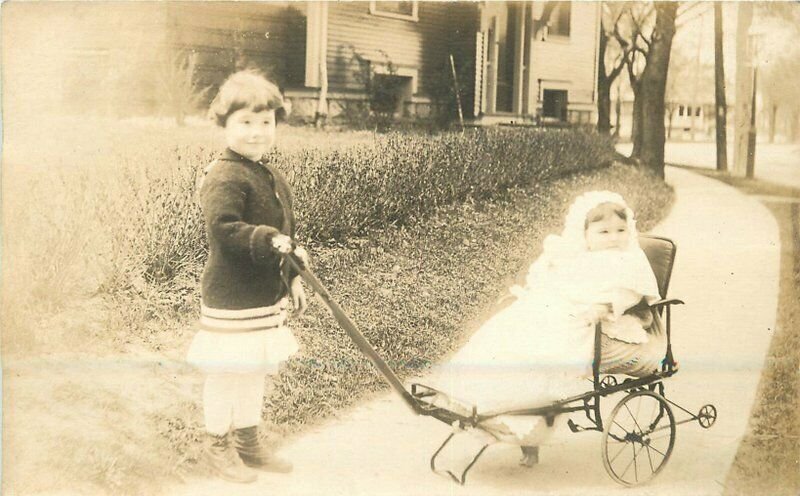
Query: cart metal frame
648	389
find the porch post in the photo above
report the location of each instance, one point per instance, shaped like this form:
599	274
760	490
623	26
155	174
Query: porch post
529	87
479	100
519	58
492	54
314	27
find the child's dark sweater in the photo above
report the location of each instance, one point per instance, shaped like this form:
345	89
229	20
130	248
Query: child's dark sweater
244	204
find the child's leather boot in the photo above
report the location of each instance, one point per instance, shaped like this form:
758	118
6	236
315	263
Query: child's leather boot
254	454
223	461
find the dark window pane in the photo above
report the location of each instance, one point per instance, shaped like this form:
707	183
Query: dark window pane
554	104
401	8
560	19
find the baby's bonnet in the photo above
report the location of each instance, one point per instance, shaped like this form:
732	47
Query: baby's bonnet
568	250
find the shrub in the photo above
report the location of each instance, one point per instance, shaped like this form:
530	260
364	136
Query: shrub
178	89
384	91
404	177
159	253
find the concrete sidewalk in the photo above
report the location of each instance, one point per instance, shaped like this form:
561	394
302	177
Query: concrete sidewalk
777	163
727	273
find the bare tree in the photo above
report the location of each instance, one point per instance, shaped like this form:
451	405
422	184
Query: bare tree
778	66
633	35
652	27
611	60
652	87
721	106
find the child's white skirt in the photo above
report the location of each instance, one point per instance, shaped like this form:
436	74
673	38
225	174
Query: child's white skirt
226	341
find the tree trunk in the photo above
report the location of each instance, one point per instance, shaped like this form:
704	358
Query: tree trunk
618	111
719	93
603	106
773	112
671	116
652	88
636	123
603	89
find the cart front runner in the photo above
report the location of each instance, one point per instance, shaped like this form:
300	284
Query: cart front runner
637	437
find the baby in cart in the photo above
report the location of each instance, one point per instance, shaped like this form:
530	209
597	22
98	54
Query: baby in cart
540	348
599	267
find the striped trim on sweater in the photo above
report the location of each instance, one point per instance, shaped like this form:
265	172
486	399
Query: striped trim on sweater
245	320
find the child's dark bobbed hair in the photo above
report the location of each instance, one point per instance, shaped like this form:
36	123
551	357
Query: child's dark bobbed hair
247	89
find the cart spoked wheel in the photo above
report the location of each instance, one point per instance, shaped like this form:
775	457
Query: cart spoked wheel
707	416
638	438
608	381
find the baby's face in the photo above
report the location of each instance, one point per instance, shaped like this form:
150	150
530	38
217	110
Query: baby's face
609	233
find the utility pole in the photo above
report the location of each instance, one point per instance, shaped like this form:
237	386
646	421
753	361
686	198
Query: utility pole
751	133
695	97
744	88
719	92
618	109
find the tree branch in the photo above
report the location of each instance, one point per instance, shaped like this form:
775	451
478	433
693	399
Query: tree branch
629	65
617	68
645	40
649	12
618	36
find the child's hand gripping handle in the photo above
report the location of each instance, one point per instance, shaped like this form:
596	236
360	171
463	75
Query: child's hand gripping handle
287	247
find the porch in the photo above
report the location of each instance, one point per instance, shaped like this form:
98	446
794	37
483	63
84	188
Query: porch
535	63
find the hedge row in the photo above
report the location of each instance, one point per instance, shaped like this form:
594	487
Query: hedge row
402	177
158	253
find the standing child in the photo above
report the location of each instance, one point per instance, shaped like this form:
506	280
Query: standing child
242	336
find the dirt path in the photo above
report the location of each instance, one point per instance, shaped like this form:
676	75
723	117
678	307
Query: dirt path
726	271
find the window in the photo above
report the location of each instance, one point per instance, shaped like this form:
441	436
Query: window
408	11
389	92
559	22
680	111
554	104
697	112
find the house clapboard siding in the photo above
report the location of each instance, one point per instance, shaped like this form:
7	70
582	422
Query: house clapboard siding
569	62
419	49
227	36
116	56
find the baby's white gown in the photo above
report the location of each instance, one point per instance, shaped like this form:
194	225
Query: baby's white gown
540	348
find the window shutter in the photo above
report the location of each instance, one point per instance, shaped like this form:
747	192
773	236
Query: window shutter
480	58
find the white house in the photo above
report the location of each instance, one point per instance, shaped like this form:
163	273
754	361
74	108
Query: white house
537	62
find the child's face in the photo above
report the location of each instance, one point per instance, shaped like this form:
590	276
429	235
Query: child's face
608	233
250	134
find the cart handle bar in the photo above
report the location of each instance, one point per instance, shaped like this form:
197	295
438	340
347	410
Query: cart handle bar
350	327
